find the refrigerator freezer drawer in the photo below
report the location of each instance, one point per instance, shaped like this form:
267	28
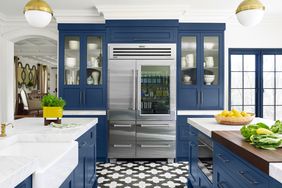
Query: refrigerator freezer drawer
122	149
122	131
153	149
160	132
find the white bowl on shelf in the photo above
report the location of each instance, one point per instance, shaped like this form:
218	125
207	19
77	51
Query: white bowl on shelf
209	79
186	78
70	62
74	44
92	46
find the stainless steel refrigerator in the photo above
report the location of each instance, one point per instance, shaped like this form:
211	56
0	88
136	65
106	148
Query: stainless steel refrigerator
142	100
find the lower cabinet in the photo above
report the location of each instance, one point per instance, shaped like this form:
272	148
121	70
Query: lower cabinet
183	136
27	183
232	171
84	175
101	138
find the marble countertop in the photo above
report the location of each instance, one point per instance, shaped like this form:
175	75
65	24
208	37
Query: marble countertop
208	125
14	169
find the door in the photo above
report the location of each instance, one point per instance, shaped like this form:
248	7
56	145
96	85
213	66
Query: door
210	96
70	70
122	89
156	90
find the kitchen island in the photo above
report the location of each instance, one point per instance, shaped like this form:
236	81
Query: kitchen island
232	161
49	155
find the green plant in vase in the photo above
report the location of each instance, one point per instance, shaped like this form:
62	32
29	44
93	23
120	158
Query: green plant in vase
52	108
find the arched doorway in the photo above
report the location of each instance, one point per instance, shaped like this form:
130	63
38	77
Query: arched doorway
7	72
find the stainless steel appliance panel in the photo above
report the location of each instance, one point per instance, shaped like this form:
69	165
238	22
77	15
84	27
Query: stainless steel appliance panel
155	149
122	130
156	131
122	149
121	86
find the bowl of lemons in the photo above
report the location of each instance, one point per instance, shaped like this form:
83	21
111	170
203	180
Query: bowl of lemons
234	117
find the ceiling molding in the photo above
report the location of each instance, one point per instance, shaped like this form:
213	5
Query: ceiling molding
78	16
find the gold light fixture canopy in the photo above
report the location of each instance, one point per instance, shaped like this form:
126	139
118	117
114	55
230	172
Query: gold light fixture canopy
250	12
249	5
39	5
38	13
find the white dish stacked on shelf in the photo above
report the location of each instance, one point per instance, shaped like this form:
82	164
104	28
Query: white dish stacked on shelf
209	79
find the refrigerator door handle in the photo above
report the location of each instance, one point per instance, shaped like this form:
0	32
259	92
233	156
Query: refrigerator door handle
155	125
116	125
134	90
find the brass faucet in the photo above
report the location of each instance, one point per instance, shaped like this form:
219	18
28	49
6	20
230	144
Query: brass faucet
3	129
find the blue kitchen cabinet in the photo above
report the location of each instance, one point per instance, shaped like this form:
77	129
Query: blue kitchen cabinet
85	173
197	176
82	66
200	67
27	183
230	170
101	136
184	135
142	31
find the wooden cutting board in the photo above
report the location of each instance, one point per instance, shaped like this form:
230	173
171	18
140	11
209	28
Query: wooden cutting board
260	158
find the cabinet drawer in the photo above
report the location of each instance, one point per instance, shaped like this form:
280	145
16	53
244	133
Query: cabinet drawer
243	172
224	180
122	149
160	132
122	131
151	149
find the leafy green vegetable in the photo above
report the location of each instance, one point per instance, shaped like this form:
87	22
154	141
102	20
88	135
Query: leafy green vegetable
52	101
270	142
248	130
277	127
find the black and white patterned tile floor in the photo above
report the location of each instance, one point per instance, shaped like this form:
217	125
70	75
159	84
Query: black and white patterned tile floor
142	174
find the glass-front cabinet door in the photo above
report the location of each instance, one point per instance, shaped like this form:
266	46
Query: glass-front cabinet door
72	60
189	60
94	61
154	88
211	60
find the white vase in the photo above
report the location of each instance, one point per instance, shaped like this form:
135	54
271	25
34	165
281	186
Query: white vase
95	76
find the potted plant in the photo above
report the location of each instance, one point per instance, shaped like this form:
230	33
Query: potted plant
52	109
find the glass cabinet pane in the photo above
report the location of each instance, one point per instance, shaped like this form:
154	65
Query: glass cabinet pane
155	89
188	60
211	60
94	61
72	60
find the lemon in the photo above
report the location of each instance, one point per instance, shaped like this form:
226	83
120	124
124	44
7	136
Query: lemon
263	131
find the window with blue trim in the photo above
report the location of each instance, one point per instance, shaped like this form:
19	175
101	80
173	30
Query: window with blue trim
256	81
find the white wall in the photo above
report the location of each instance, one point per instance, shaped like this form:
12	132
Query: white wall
263	35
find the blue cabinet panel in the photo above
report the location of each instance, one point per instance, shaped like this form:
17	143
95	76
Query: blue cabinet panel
94	98
73	98
142	35
211	98
27	183
85	172
187	99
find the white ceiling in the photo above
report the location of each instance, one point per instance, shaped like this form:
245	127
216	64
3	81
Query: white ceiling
41	49
190	10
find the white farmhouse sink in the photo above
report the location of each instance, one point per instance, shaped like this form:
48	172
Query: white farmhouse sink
55	160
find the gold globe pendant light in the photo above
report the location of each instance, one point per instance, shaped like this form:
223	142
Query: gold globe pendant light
250	12
38	13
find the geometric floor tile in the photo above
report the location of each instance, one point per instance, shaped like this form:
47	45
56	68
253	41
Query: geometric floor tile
142	174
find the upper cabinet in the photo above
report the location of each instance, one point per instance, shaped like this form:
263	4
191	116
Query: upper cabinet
200	66
82	67
142	31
